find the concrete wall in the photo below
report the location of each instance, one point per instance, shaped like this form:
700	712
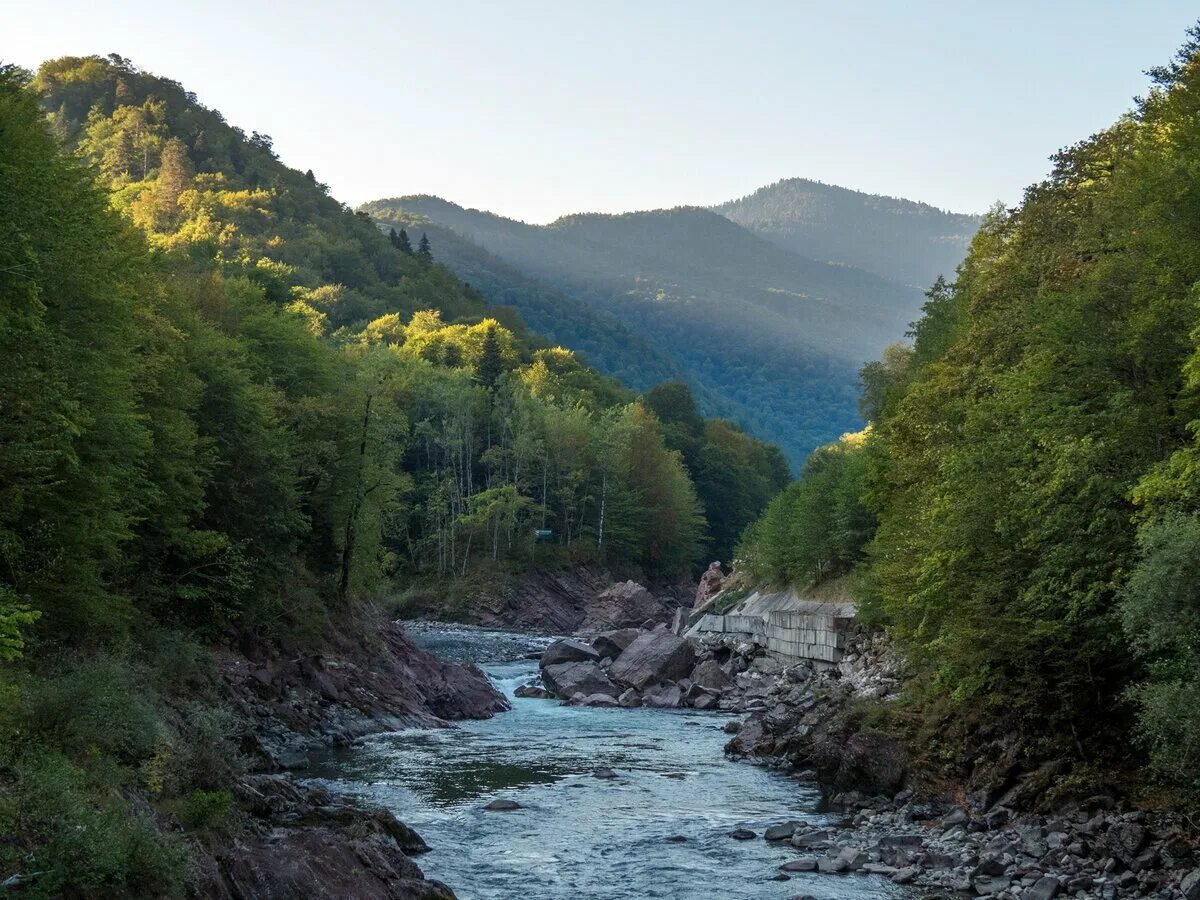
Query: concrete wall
818	633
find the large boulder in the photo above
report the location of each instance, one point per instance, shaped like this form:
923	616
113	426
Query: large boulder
568	650
570	678
665	696
709	674
710	583
626	605
651	658
612	644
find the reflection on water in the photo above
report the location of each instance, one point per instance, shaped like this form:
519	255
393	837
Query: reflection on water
577	835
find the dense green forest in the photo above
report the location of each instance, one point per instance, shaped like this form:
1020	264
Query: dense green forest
236	412
1023	512
903	241
774	337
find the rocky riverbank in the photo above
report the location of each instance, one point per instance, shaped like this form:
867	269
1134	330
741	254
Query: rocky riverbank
807	719
565	601
297	841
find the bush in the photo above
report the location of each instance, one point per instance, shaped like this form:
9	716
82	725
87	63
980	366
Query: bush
207	809
92	709
86	839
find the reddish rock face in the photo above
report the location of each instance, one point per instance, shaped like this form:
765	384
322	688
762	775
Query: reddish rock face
710	582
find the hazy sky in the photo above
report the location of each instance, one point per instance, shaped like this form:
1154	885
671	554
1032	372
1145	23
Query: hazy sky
535	109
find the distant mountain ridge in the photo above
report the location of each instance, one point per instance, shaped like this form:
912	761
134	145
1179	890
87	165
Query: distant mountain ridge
902	240
773	336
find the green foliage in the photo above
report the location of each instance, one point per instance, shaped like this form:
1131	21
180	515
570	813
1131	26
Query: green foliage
86	841
1047	407
1160	613
212	810
818	527
759	332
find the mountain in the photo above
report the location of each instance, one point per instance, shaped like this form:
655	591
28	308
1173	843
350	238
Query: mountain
775	336
612	347
901	240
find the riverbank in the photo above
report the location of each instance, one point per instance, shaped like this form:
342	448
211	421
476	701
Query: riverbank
814	721
289	839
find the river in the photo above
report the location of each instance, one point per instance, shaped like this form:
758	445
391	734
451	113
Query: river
577	835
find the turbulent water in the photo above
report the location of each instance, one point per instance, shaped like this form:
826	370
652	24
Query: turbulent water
576	835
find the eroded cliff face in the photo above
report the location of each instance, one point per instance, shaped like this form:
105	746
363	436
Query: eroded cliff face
293	840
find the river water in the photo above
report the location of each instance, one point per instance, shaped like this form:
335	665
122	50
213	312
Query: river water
576	835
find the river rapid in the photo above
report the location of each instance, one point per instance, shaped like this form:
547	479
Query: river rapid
576	835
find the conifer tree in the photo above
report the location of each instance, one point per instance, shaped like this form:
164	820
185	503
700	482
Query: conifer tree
424	254
404	245
491	364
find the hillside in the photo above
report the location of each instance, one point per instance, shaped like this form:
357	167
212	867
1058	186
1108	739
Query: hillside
765	330
901	240
615	349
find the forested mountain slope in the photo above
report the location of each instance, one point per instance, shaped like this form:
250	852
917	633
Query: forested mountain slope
1024	512
235	414
777	336
612	347
903	241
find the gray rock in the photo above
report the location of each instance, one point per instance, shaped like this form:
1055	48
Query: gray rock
780	832
568	650
603	772
569	678
603	700
630	698
1045	888
742	834
1190	885
704	702
651	658
676	839
956	816
831	865
709	674
803	864
1125	839
613	643
533	691
663	697
906	875
986	885
502	805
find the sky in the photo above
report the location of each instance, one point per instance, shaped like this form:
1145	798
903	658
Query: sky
539	109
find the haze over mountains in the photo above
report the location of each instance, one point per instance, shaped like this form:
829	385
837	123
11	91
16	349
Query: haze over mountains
767	305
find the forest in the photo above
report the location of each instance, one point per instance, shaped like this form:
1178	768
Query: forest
236	411
1021	512
758	331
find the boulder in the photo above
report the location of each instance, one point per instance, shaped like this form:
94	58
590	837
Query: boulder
625	605
613	643
1045	888
532	690
742	834
1125	839
655	657
603	772
569	678
705	701
1190	885
710	582
502	805
630	698
710	675
663	697
803	864
568	650
599	700
782	832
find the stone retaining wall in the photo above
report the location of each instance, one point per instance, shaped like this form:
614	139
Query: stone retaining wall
818	635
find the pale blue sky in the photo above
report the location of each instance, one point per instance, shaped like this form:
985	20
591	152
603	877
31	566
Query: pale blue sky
536	109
